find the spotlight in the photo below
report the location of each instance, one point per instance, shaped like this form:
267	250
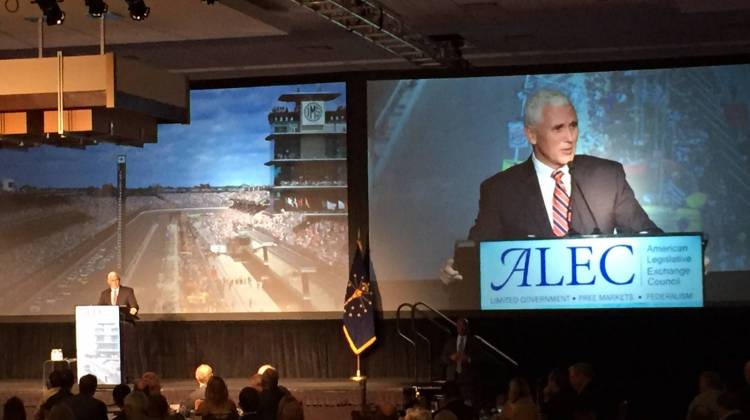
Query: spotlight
97	8
51	11
138	9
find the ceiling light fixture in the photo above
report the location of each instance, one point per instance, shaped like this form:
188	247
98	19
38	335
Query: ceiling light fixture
97	8
51	11
138	9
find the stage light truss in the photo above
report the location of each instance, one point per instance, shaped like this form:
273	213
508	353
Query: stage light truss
384	28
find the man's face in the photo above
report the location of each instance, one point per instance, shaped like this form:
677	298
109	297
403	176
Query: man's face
554	137
113	280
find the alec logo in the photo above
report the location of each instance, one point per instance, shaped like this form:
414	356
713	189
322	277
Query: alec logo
615	265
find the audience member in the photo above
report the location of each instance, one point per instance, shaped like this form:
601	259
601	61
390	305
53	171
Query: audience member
728	407
84	405
61	412
290	408
158	409
557	397
136	402
13	409
454	404
150	383
745	394
704	405
63	381
249	400
202	374
256	381
271	393
217	404
520	405
587	401
418	413
118	396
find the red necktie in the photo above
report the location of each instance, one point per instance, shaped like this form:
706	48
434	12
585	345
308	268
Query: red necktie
560	206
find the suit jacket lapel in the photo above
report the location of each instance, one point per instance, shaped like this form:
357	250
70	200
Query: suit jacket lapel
582	223
535	202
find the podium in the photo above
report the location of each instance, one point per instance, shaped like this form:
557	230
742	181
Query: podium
589	272
104	336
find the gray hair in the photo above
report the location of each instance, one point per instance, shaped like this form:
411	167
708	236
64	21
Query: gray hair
532	109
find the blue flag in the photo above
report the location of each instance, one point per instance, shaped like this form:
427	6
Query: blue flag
359	305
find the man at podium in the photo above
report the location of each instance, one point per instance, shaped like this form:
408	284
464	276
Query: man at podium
119	295
124	297
556	192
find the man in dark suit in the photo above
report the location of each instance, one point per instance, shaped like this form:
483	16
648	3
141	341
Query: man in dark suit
594	196
124	296
553	193
118	295
459	356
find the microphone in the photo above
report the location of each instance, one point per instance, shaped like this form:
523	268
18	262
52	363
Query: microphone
596	230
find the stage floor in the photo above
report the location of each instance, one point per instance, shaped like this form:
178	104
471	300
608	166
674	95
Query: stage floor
322	398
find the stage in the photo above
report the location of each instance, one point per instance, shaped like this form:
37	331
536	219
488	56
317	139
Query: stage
323	398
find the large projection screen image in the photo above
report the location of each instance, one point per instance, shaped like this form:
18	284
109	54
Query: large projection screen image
681	134
243	210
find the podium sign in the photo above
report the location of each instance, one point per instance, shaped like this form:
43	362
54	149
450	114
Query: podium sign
98	343
592	272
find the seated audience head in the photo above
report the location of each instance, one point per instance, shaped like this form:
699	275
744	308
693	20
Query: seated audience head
290	408
151	383
13	409
249	399
418	413
256	381
55	379
518	389
119	393
157	407
216	391
580	374
710	380
203	373
87	385
135	405
747	372
264	368
559	378
270	378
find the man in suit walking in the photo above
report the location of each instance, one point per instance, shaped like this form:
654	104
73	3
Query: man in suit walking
459	356
124	296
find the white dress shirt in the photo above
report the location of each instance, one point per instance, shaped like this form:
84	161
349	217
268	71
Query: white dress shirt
113	296
547	183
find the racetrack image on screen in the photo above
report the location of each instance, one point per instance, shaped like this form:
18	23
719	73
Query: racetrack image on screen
681	134
242	210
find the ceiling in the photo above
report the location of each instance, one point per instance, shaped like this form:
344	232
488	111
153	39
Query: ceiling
260	38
